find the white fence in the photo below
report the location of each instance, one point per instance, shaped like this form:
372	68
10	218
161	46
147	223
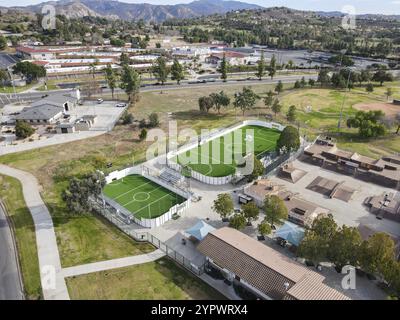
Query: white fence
128	217
217	180
116	175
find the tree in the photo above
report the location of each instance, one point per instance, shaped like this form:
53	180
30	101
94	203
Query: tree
93	69
127	118
261	67
264	228
258	168
223	205
130	82
160	70
153	120
342	59
315	245
269	99
303	82
369	88
368	123
4	76
382	76
344	247
79	191
365	76
177	71
205	103
376	253
297	84
224	68
279	87
389	93
311	82
397	118
323	78
23	130
275	209
272	67
124	59
245	100
250	212
220	100
3	43
276	107
291	114
29	70
111	79
289	140
143	134
238	221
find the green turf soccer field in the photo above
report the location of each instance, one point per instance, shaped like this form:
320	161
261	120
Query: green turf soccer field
264	140
142	197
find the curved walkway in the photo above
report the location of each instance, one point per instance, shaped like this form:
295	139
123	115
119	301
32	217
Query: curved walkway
53	283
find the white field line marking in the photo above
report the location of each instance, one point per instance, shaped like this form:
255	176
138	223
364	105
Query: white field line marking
121	195
131	201
168	194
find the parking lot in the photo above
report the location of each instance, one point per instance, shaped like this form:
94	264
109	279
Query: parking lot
107	114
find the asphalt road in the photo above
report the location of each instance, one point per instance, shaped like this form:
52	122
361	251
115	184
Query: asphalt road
10	286
32	96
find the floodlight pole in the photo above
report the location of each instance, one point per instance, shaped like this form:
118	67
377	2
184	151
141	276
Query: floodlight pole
344	99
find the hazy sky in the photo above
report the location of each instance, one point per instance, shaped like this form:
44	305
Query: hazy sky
361	6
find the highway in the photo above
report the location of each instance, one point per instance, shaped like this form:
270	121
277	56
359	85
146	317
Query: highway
32	96
10	284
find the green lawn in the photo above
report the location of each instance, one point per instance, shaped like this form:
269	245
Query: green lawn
142	197
162	280
11	194
211	159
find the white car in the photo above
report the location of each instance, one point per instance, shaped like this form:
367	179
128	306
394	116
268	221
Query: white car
121	105
100	100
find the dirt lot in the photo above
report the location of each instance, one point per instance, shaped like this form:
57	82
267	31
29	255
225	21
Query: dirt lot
389	109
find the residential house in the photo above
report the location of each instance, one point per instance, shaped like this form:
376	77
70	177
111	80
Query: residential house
300	211
324	153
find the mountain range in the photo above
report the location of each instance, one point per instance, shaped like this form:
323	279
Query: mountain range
136	11
112	9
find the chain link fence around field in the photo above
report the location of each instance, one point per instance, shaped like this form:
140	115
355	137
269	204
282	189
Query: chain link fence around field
143	235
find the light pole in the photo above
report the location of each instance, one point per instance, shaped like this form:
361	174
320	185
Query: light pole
344	99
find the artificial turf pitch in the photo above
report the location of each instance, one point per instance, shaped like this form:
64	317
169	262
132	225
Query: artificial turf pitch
142	197
264	140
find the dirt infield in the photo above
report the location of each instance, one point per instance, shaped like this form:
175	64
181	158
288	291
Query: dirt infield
389	109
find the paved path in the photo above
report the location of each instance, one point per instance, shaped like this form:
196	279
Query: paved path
10	281
49	258
112	264
56	139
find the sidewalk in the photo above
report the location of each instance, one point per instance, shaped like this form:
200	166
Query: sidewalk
112	264
49	257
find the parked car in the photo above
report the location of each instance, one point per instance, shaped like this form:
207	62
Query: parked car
121	105
100	100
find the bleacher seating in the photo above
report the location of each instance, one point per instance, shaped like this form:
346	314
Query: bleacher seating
171	176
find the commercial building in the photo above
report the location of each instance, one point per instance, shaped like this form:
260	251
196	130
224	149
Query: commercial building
262	270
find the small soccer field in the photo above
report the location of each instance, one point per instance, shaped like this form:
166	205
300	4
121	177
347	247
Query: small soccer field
142	197
265	140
